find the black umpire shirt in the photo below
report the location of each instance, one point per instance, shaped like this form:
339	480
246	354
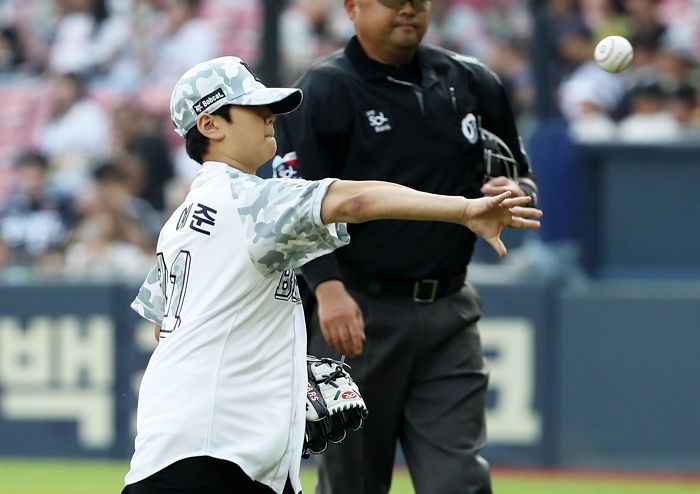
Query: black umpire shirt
414	125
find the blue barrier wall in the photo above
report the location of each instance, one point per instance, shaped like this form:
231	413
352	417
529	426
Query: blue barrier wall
639	212
603	377
70	360
71	357
628	368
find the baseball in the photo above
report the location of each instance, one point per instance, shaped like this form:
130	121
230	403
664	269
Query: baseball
613	53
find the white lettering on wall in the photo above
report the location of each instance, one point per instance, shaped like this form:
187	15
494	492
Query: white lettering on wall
86	349
24	355
513	419
60	369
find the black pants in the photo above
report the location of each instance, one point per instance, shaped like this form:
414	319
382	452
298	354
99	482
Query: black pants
201	475
423	378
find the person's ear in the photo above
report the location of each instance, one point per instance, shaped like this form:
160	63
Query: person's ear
209	126
350	8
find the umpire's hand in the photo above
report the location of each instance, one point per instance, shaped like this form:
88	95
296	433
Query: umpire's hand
499	185
340	318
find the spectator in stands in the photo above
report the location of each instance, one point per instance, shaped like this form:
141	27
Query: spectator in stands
682	18
105	247
608	18
37	216
682	104
111	194
645	50
144	157
643	70
308	30
11	52
458	26
677	66
86	39
184	40
239	25
565	17
509	59
593	122
52	263
648	120
167	42
675	63
118	233
587	84
77	133
645	19
302	33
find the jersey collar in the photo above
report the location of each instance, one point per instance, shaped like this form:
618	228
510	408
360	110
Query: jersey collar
372	70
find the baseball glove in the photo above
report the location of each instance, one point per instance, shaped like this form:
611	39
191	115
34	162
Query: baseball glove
333	404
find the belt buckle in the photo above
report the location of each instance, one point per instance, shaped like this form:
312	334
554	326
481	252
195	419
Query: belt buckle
433	284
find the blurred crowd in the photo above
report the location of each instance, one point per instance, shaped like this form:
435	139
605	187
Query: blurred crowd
90	165
656	100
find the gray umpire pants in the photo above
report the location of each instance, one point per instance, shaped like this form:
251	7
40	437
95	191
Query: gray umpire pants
423	379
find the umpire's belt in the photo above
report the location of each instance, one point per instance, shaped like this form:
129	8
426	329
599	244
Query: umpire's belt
420	291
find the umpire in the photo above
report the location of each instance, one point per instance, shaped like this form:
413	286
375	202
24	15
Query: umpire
387	107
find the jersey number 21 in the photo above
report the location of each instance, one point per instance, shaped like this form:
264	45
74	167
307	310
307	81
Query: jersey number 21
173	284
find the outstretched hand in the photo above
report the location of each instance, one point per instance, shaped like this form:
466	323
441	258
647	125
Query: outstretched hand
487	216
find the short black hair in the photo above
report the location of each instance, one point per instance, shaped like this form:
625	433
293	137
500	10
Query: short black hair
647	89
196	144
108	172
684	92
32	158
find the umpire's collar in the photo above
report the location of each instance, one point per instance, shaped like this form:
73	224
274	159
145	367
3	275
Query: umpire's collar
372	70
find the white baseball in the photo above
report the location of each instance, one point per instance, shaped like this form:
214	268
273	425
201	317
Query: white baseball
613	53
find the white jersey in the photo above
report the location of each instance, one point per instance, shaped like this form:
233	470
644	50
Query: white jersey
228	378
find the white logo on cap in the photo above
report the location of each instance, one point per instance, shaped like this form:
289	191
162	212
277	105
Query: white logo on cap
208	100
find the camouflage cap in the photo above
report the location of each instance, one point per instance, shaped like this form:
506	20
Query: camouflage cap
208	86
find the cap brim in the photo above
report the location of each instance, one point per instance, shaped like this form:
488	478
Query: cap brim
278	100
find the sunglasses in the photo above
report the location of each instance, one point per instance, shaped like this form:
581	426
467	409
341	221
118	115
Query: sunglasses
418	5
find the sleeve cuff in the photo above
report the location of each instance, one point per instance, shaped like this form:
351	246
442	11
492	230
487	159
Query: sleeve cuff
321	269
531	192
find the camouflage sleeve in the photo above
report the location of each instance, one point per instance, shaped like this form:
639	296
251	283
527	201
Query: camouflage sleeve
150	303
282	218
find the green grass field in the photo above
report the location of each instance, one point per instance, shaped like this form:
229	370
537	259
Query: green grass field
100	477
